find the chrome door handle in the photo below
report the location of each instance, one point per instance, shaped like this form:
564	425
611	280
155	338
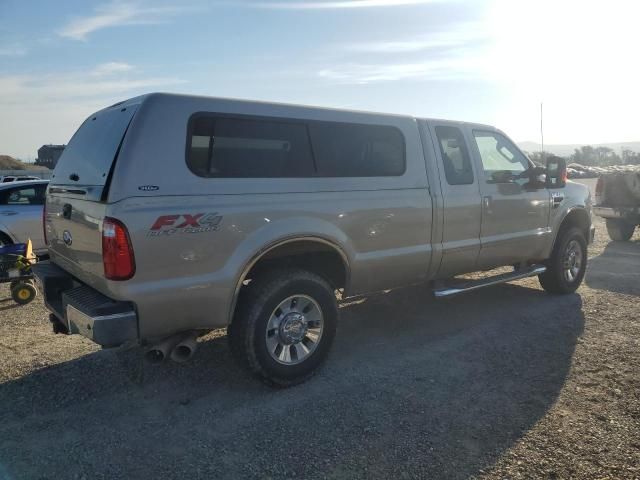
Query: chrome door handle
556	199
486	202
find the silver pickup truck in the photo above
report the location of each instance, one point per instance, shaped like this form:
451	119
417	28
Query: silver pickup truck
168	216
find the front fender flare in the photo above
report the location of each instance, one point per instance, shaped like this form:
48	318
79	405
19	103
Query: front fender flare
575	209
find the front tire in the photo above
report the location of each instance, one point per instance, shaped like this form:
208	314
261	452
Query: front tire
568	263
619	230
284	326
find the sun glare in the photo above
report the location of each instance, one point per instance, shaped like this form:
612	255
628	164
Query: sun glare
575	56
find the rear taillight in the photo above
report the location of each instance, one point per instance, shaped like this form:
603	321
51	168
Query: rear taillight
44	223
599	190
117	253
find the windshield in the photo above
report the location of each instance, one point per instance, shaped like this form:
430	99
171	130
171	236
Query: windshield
88	157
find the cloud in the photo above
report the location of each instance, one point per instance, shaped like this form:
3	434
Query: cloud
111	68
461	35
47	108
442	69
117	14
452	54
98	83
14	50
341	4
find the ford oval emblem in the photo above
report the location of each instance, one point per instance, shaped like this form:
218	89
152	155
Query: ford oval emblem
66	237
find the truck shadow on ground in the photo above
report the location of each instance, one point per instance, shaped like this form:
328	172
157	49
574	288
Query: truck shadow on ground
413	387
7	304
616	269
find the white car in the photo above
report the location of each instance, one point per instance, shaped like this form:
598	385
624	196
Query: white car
21	205
17	178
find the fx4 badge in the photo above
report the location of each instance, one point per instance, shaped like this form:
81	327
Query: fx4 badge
185	223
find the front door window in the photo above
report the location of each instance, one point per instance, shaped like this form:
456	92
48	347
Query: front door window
502	162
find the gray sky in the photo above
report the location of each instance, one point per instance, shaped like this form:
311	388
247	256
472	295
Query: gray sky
489	61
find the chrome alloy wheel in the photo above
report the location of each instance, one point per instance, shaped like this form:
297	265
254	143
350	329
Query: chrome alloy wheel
572	261
294	329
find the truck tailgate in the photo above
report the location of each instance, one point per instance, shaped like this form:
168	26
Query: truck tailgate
76	198
74	233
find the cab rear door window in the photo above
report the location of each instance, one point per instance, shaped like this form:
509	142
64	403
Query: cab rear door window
455	156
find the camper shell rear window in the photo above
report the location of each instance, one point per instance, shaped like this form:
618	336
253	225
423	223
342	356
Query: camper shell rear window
88	158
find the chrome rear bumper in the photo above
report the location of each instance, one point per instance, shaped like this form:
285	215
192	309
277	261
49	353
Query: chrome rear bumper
85	311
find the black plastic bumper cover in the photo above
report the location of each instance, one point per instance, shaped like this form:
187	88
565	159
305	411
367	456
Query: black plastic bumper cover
84	310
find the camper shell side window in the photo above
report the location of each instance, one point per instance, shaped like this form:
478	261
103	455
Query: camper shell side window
242	146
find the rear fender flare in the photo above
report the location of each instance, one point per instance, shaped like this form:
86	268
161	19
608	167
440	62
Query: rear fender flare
327	234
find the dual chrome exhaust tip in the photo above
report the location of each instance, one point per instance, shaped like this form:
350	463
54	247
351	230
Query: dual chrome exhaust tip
180	348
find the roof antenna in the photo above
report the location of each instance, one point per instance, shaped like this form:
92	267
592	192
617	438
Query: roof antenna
541	136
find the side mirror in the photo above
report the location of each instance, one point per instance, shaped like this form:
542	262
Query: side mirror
556	172
536	176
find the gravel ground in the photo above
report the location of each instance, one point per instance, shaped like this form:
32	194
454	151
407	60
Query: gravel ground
506	382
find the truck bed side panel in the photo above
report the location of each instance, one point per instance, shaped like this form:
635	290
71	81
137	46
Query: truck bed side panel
189	275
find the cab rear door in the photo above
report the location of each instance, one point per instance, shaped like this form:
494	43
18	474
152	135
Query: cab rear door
460	198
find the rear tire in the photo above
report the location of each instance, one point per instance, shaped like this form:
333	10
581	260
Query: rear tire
568	263
619	230
284	326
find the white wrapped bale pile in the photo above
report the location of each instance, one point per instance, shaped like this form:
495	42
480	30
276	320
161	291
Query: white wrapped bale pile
618	201
622	188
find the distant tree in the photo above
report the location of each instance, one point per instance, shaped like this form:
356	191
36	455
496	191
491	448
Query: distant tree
539	158
606	156
630	157
584	156
598	156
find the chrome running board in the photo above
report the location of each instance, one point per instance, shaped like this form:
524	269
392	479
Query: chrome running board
470	285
